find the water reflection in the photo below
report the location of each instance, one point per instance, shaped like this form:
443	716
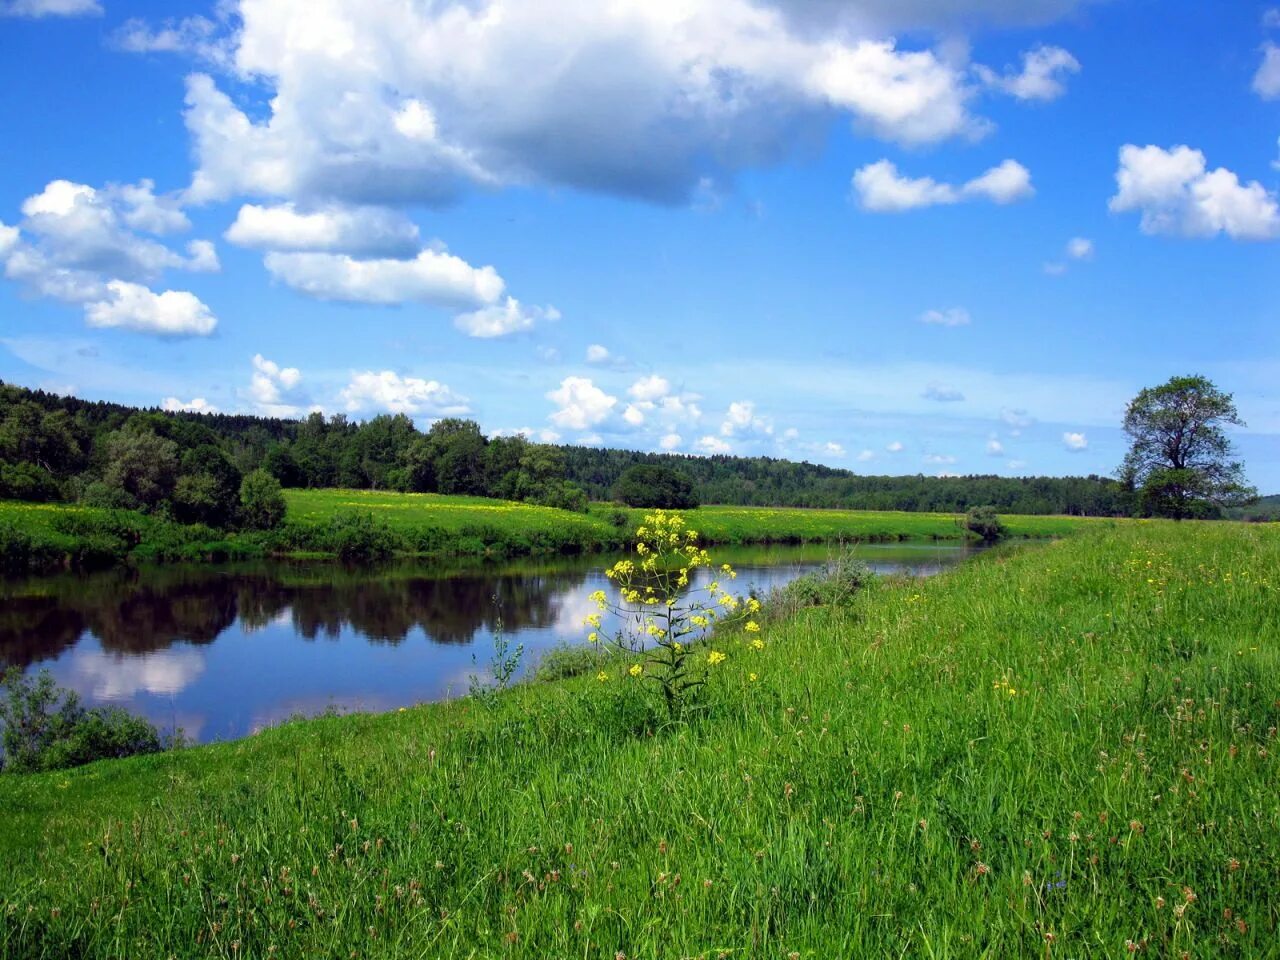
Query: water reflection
223	651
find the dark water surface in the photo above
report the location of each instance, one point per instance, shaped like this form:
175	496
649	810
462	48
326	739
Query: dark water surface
222	651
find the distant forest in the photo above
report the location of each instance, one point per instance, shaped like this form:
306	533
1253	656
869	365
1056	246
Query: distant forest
57	448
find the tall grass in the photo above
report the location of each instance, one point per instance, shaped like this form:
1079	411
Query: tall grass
1065	750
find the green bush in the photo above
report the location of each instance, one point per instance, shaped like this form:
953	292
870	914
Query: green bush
359	536
26	481
262	504
46	728
984	522
835	584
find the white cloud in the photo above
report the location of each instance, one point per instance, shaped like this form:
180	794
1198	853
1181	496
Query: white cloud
713	445
596	353
1176	194
193	35
942	393
882	189
131	306
1080	248
954	317
195	405
503	319
938	458
50	8
894	446
8	239
866	456
833	449
995	448
670	441
276	390
331	228
433	277
1042	77
1016	464
581	404
650	388
377	102
1266	82
633	415
741	418
1074	441
1017	419
389	392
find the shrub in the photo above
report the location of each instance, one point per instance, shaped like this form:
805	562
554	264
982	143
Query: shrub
262	505
563	495
984	522
358	536
834	585
46	728
647	485
564	661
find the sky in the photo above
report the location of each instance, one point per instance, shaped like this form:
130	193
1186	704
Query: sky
894	236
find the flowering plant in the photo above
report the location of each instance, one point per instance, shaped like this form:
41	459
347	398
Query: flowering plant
664	619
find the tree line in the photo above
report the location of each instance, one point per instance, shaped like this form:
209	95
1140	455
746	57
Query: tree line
192	466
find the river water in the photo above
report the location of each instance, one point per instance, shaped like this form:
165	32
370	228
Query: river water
222	651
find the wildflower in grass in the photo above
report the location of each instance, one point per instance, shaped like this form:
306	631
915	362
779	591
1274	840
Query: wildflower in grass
636	670
757	644
662	616
602	677
752	677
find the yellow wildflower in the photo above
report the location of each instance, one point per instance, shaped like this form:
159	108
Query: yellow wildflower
602	677
716	657
636	670
752	627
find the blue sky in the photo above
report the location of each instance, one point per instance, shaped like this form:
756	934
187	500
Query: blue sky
898	237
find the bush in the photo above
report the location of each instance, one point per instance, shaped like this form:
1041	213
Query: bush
836	584
563	495
262	505
984	522
564	661
46	728
358	536
646	485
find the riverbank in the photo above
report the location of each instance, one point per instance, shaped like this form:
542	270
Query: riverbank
1068	749
44	537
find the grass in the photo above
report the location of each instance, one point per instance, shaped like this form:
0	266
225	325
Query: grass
41	537
1065	750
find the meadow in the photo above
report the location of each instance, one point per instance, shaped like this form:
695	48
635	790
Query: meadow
1058	750
37	537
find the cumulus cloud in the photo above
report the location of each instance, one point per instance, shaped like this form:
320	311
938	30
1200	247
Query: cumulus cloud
381	102
580	404
387	391
866	456
1075	442
942	393
938	458
1176	194
433	277
741	418
329	228
503	319
880	188
652	387
276	390
713	445
995	448
954	317
597	353
50	8
833	449
195	35
8	239
670	441
1042	75
194	405
894	446
131	306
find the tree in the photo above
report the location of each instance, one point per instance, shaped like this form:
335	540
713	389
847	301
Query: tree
1179	460
142	465
645	485
262	505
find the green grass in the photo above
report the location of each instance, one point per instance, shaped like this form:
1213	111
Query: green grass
877	792
431	525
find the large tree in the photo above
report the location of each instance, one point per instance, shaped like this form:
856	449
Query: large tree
1180	460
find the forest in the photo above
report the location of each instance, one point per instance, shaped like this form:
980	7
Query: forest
59	448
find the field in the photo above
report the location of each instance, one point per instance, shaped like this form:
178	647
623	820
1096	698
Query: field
51	536
1061	750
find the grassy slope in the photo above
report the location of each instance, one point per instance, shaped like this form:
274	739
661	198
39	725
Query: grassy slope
877	792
